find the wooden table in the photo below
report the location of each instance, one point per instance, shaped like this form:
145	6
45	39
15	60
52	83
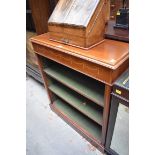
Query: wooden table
103	63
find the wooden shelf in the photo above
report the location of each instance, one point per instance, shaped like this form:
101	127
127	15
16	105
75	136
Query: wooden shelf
80	83
85	123
82	104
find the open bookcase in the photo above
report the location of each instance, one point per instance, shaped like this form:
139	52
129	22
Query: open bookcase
76	97
79	82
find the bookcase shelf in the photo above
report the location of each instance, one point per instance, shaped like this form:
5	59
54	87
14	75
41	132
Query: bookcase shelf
77	96
80	83
79	102
84	122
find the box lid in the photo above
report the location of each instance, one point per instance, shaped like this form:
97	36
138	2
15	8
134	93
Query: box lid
73	12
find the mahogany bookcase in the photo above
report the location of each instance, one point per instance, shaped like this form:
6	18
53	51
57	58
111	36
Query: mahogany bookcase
79	82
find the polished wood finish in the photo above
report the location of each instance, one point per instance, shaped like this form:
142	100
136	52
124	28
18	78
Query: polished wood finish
100	62
110	53
78	23
105	63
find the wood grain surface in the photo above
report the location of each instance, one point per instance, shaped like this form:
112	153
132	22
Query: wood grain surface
110	53
73	12
78	23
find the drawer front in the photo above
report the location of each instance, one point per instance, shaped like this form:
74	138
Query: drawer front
86	67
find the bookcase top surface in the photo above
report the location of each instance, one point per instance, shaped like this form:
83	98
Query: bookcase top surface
74	12
109	53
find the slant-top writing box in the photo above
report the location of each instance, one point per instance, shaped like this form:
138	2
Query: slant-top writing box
79	23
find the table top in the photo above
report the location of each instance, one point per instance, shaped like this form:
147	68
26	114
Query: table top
109	53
